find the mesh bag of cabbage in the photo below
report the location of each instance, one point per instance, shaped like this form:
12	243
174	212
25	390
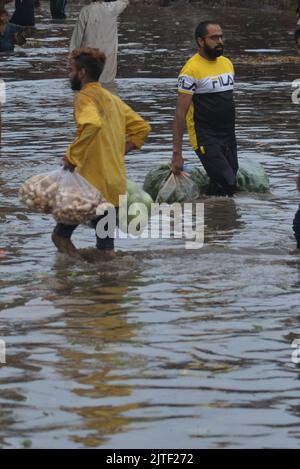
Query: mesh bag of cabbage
179	188
76	201
38	193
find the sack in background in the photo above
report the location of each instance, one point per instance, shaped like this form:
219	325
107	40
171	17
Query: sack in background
252	177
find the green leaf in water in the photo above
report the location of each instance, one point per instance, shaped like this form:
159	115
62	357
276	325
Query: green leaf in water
72	274
26	443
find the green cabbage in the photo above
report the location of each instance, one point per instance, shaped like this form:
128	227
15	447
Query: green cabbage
155	178
135	195
251	177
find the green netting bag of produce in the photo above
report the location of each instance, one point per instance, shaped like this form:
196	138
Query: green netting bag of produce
179	188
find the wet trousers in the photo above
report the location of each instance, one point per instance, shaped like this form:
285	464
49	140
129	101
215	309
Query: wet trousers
24	13
296	227
104	242
221	164
57	8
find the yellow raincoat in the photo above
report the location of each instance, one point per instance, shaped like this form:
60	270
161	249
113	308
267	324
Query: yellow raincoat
104	125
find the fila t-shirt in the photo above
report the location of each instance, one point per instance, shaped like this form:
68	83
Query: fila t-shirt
211	116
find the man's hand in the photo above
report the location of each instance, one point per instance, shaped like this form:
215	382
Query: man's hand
129	146
67	165
177	163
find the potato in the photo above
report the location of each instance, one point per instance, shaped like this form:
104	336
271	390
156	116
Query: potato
39	191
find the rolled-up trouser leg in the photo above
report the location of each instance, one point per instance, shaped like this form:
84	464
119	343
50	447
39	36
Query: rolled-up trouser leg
221	164
66	231
296	227
105	240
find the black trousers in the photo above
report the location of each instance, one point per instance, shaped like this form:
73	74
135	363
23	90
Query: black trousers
24	13
57	8
105	242
296	227
221	164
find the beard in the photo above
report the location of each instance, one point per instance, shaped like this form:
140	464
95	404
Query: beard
75	83
213	53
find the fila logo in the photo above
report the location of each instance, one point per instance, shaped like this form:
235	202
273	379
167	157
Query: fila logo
185	85
222	81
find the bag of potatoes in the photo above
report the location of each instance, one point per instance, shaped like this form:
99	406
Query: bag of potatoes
68	196
39	192
76	200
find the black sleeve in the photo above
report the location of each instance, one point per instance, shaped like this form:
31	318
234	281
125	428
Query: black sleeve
298	7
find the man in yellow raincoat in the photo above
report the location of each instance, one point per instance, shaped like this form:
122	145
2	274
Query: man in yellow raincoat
107	129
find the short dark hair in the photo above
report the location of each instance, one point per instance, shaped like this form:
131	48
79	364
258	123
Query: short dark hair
201	29
92	60
297	34
3	12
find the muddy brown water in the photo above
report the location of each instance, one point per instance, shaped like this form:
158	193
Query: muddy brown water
163	347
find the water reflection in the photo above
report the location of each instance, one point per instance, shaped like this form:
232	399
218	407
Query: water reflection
223	219
95	331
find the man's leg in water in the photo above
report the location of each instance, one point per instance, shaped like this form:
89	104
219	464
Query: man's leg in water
105	243
221	164
57	8
296	227
61	237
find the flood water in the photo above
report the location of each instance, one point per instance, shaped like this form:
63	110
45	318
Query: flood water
164	346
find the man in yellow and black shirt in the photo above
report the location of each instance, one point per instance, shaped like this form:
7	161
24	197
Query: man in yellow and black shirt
205	104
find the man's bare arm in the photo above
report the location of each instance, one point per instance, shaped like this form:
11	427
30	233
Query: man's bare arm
183	103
